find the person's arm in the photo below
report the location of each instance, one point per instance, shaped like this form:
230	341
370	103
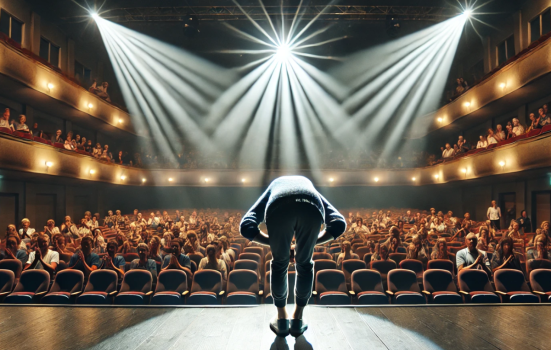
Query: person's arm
52	265
31	263
335	224
118	270
494	269
488	213
250	221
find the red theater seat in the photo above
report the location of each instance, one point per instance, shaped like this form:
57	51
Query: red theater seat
23	135
41	140
171	288
6	131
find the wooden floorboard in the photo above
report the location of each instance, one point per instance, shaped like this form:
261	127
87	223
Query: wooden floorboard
379	328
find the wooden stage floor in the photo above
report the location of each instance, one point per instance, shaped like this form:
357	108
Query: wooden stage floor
425	327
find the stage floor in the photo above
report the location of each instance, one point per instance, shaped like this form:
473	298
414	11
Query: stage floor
425	327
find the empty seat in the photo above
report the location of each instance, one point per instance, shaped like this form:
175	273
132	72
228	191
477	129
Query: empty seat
349	266
534	264
101	287
397	257
331	288
334	250
171	288
206	288
14	266
403	287
383	267
7	280
129	257
67	286
245	264
323	264
251	256
321	255
439	286
32	285
243	288
367	286
540	281
355	246
475	287
511	285
442	264
367	259
413	265
135	288
362	251
196	257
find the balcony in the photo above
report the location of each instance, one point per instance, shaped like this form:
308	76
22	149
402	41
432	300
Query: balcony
23	156
25	78
523	79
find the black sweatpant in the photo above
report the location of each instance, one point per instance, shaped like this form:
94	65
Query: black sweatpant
302	220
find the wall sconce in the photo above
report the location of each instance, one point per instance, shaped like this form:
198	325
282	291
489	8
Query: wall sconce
502	164
49	164
92	171
144	180
376	179
436	176
502	85
120	121
413	179
243	180
440	120
170	179
467	104
331	179
50	87
90	106
206	179
123	177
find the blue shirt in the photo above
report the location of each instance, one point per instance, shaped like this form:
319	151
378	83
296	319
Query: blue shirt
151	266
119	262
92	259
183	260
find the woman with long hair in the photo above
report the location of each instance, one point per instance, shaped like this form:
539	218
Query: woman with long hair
504	257
210	262
540	250
155	249
440	250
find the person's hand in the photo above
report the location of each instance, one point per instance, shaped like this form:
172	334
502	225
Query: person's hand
173	260
81	255
37	254
477	261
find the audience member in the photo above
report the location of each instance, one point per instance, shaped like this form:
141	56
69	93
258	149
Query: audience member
504	257
144	262
177	260
524	222
440	250
472	258
83	259
346	254
42	258
111	261
22	126
448	152
482	143
490	137
25	232
544	117
14	251
517	128
494	215
100	91
210	262
534	123
5	121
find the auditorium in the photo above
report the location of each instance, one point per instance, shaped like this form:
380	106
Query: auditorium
306	174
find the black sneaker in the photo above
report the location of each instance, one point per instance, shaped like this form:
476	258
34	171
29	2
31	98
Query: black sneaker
298	327
280	327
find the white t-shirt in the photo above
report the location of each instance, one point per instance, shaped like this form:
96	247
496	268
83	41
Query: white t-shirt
50	257
482	144
447	153
494	213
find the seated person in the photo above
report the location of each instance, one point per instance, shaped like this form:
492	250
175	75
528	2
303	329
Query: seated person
144	263
192	244
395	246
440	250
472	258
539	251
110	261
210	262
177	260
26	232
381	254
346	254
42	258
504	257
417	251
22	126
83	259
155	249
13	249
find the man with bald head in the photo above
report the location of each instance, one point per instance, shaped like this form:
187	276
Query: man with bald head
471	257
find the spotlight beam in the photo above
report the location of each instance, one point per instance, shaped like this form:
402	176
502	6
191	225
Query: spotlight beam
255	24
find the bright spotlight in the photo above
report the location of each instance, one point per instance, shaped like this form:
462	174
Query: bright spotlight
92	171
243	180
49	164
283	52
144	179
440	120
170	179
468	13
90	105
123	177
331	180
376	179
502	163
412	179
94	15
464	171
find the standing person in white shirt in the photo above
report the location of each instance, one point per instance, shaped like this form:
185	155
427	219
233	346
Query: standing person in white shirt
447	152
482	143
43	258
494	215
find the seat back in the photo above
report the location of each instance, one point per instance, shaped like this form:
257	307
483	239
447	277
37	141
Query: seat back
245	264
137	281
355	246
474	281
357	240
397	257
509	280
250	256
237	247
243	281
321	256
441	264
324	264
436	280
540	280
362	251
69	281
330	281
34	281
349	266
334	250
257	250
537	264
7	279
171	281
366	281
412	265
102	281
13	265
383	266
196	257
207	281
402	280
367	259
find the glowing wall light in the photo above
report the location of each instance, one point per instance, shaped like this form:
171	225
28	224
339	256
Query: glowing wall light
376	179
123	177
49	164
144	180
92	171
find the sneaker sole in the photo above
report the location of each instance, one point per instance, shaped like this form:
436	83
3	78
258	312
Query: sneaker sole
279	334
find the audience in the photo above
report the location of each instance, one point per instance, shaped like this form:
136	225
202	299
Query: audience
144	262
346	254
100	91
210	262
504	257
472	258
84	259
42	258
